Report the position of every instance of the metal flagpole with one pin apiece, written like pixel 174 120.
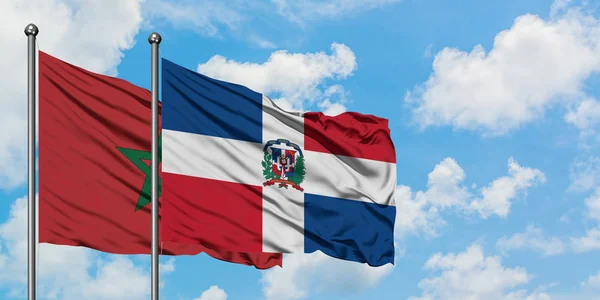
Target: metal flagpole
pixel 154 40
pixel 31 32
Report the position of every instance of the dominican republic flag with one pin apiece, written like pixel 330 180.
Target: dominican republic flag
pixel 241 174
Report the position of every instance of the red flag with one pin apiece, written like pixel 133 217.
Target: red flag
pixel 94 166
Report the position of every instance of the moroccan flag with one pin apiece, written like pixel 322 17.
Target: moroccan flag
pixel 94 166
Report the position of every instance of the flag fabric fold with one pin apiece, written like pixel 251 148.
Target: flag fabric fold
pixel 94 166
pixel 241 174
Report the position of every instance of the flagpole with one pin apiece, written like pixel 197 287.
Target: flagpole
pixel 31 31
pixel 154 40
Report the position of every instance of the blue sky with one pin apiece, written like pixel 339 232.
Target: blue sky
pixel 493 109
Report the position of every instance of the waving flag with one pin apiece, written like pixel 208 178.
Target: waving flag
pixel 241 174
pixel 94 166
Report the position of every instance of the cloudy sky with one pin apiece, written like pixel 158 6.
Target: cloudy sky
pixel 493 108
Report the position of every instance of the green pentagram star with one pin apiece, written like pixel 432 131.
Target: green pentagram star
pixel 137 157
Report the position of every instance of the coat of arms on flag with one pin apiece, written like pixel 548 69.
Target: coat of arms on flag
pixel 283 163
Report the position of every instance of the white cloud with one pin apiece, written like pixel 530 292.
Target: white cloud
pixel 301 11
pixel 414 213
pixel 331 109
pixel 201 16
pixel 428 51
pixel 167 267
pixel 307 273
pixel 419 211
pixel 525 295
pixel 213 293
pixel 496 197
pixel 209 17
pixel 585 175
pixel 589 242
pixel 559 6
pixel 68 272
pixel 531 66
pixel 335 98
pixel 69 30
pixel 215 18
pixel 593 282
pixel 586 116
pixel 532 239
pixel 262 43
pixel 487 278
pixel 296 78
pixel 592 204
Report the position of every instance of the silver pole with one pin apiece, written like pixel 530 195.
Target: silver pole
pixel 31 32
pixel 154 40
